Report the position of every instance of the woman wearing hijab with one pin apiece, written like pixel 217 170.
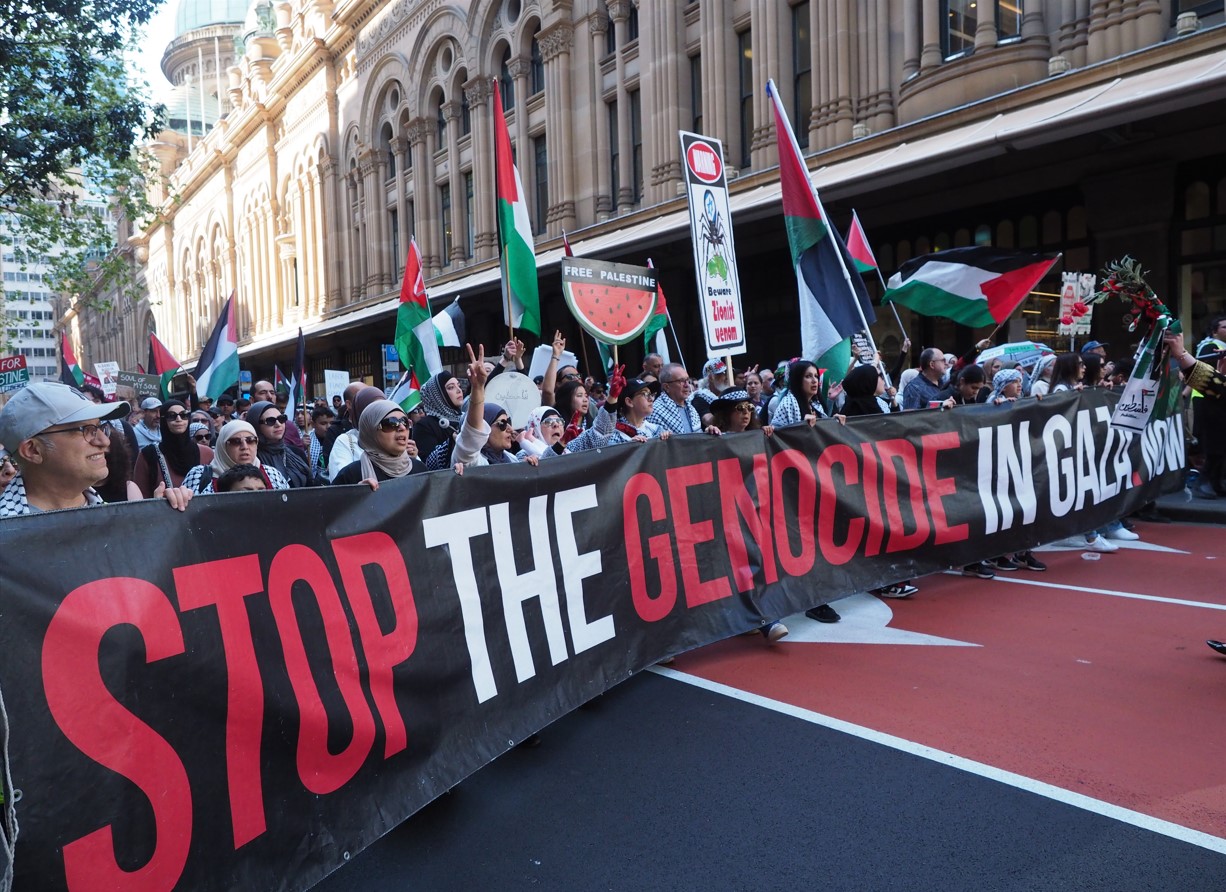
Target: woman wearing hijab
pixel 118 485
pixel 542 436
pixel 237 444
pixel 441 397
pixel 801 403
pixel 269 423
pixel 1040 378
pixel 169 461
pixel 384 438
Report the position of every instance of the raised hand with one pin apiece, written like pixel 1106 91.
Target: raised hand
pixel 559 345
pixel 476 367
pixel 617 381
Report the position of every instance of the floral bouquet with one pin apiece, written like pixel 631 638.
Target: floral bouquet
pixel 1125 279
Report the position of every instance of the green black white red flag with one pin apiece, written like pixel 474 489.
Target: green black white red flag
pixel 977 286
pixel 521 304
pixel 416 339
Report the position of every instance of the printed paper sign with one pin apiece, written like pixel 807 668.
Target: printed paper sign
pixel 1076 288
pixel 719 289
pixel 108 375
pixel 13 373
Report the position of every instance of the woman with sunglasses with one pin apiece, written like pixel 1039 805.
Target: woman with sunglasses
pixel 384 437
pixel 237 444
pixel 169 461
pixel 542 435
pixel 270 423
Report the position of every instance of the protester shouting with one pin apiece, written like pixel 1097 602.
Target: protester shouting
pixel 237 444
pixel 384 435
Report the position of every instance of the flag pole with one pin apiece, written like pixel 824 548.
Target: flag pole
pixel 676 340
pixel 884 289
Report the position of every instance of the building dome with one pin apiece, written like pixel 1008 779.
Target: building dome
pixel 258 21
pixel 193 14
pixel 183 110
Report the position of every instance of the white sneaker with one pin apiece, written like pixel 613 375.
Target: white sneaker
pixel 1099 544
pixel 1123 534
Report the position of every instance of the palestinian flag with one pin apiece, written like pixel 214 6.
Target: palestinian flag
pixel 516 253
pixel 416 341
pixel 858 247
pixel 162 363
pixel 449 327
pixel 298 390
pixel 282 384
pixel 976 287
pixel 406 393
pixel 657 323
pixel 217 368
pixel 70 370
pixel 833 303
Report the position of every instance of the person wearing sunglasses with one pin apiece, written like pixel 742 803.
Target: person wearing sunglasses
pixel 237 444
pixel 387 448
pixel 542 435
pixel 58 439
pixel 275 451
pixel 624 416
pixel 167 461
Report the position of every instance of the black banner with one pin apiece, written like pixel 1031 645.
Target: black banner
pixel 246 695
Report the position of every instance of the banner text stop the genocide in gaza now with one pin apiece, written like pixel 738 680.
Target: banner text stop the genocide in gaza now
pixel 311 653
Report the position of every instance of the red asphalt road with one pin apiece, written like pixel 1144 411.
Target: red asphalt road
pixel 1113 698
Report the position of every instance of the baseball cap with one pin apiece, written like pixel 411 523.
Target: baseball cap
pixel 714 367
pixel 1093 345
pixel 45 404
pixel 151 402
pixel 635 385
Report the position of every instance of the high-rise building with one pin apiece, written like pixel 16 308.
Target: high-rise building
pixel 1090 128
pixel 27 305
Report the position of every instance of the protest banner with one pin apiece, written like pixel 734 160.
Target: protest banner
pixel 258 691
pixel 719 286
pixel 141 385
pixel 335 382
pixel 516 393
pixel 108 375
pixel 13 373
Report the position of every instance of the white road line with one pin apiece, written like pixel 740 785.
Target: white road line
pixel 1098 591
pixel 1009 778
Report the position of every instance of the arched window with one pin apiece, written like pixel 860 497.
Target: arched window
pixel 466 122
pixel 385 146
pixel 440 121
pixel 537 79
pixel 505 83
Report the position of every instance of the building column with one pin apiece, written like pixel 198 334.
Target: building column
pixel 485 238
pixel 910 37
pixel 459 212
pixel 555 46
pixel 619 12
pixel 661 79
pixel 765 42
pixel 719 67
pixel 331 208
pixel 606 201
pixel 985 27
pixel 400 146
pixel 931 56
pixel 845 74
pixel 424 192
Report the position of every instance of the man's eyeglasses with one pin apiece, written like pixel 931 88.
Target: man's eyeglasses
pixel 274 420
pixel 387 425
pixel 242 441
pixel 502 423
pixel 176 416
pixel 88 431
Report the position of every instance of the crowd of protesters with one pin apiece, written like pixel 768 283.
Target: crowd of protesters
pixel 68 448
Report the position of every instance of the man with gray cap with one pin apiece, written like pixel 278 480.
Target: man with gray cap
pixel 149 431
pixel 59 441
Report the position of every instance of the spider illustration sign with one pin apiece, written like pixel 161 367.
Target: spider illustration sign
pixel 719 289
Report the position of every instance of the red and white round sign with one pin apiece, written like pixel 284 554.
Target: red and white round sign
pixel 704 162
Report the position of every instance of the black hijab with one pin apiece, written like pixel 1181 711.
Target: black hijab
pixel 860 385
pixel 181 452
pixel 278 453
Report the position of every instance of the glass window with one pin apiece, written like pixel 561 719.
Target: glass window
pixel 959 21
pixel 466 117
pixel 440 121
pixel 614 154
pixel 393 226
pixel 505 83
pixel 802 80
pixel 636 145
pixel 696 94
pixel 540 169
pixel 444 201
pixel 1008 19
pixel 1196 201
pixel 385 143
pixel 632 23
pixel 538 66
pixel 470 226
pixel 745 78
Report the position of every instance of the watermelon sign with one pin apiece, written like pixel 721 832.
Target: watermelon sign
pixel 612 301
